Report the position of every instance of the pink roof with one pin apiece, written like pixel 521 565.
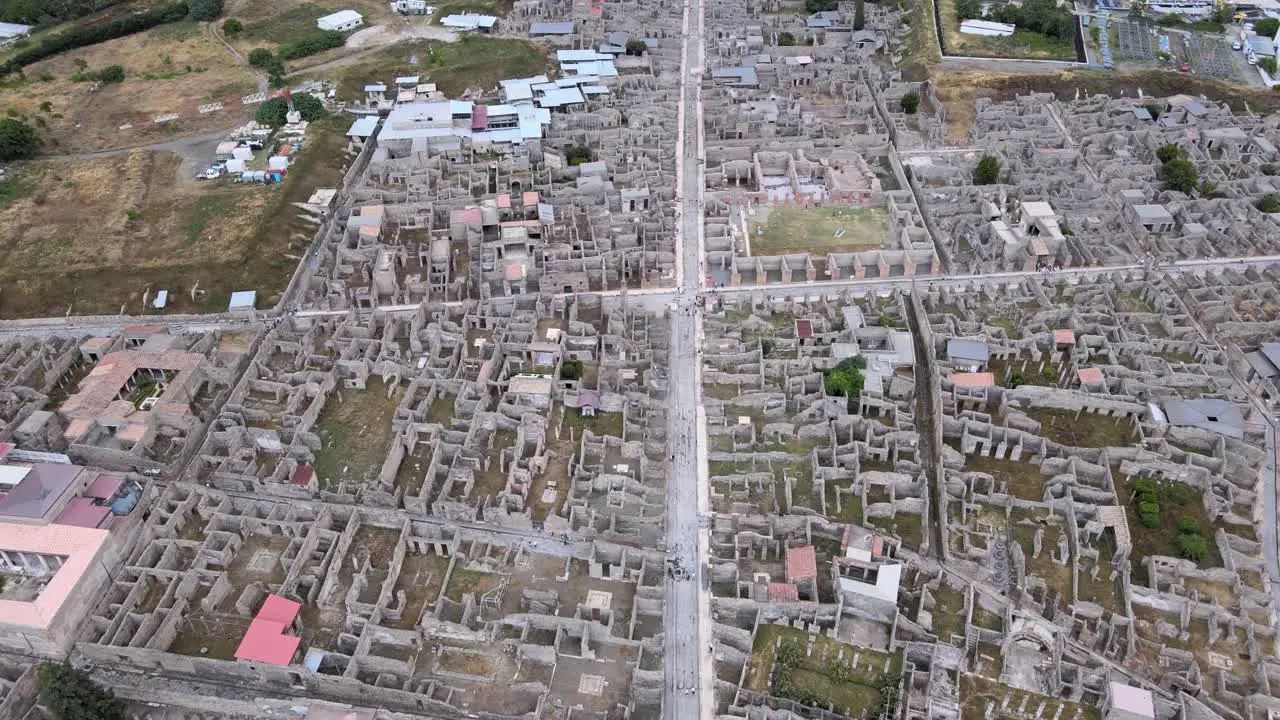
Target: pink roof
pixel 99 388
pixel 973 380
pixel 470 216
pixel 104 487
pixel 1090 375
pixel 783 592
pixel 1064 337
pixel 804 329
pixel 80 546
pixel 5 449
pixel 265 640
pixel 530 198
pixel 302 475
pixel 81 512
pixel 1134 700
pixel 504 200
pixel 479 117
pixel 802 562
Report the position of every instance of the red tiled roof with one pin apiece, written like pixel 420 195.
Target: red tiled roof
pixel 81 512
pixel 973 380
pixel 479 117
pixel 504 200
pixel 804 329
pixel 302 475
pixel 529 198
pixel 1064 337
pixel 265 640
pixel 1090 375
pixel 802 562
pixel 104 487
pixel 783 592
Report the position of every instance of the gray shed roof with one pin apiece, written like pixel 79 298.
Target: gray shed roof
pixel 551 28
pixel 1152 212
pixel 39 490
pixel 1217 416
pixel 959 348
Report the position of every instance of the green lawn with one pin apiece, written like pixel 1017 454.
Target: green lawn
pixel 853 697
pixel 473 61
pixel 356 431
pixel 1022 44
pixel 788 230
pixel 288 26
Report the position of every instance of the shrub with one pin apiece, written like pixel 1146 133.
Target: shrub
pixel 1180 175
pixel 1268 63
pixel 108 74
pixel 70 694
pixel 1188 526
pixel 1267 27
pixel 636 46
pixel 1169 152
pixel 1149 514
pixel 261 57
pixel 1192 547
pixel 18 140
pixel 1152 108
pixel 231 26
pixel 1268 203
pixel 910 102
pixel 313 43
pixel 1179 494
pixel 786 39
pixel 204 9
pixel 578 154
pixel 988 171
pixel 571 370
pixel 846 379
pixel 94 34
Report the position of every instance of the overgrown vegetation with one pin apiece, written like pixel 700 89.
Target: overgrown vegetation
pixel 48 12
pixel 205 9
pixel 274 112
pixel 578 154
pixel 988 170
pixel 70 694
pixel 94 34
pixel 1177 171
pixel 18 139
pixel 636 47
pixel 846 379
pixel 571 370
pixel 316 42
pixel 786 39
pixel 1268 203
pixel 1041 16
pixel 108 74
pixel 910 102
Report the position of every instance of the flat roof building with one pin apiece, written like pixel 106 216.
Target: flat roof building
pixel 341 21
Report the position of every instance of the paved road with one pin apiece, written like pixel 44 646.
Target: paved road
pixel 689 687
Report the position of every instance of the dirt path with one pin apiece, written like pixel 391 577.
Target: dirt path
pixel 373 39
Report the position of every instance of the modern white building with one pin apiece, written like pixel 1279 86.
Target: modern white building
pixel 10 32
pixel 341 21
pixel 986 27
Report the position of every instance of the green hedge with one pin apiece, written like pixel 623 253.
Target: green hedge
pixel 316 42
pixel 95 34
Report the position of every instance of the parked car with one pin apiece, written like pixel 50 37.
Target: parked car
pixel 1236 45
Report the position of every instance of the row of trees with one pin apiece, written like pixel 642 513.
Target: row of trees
pixel 94 34
pixel 47 12
pixel 313 43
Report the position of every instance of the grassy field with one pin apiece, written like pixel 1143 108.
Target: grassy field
pixel 355 431
pixel 1163 540
pixel 473 61
pixel 1022 44
pixel 977 692
pixel 854 697
pixel 921 42
pixel 786 230
pixel 94 234
pixel 171 68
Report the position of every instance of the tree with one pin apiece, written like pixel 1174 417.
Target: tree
pixel 1268 64
pixel 1138 8
pixel 910 102
pixel 232 26
pixel 859 15
pixel 1192 547
pixel 571 370
pixel 1152 108
pixel 988 171
pixel 272 112
pixel 204 9
pixel 1168 152
pixel 1267 27
pixel 816 6
pixel 1224 14
pixel 846 379
pixel 261 58
pixel 1180 174
pixel 71 695
pixel 636 46
pixel 18 140
pixel 786 39
pixel 968 9
pixel 308 106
